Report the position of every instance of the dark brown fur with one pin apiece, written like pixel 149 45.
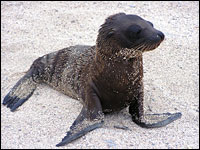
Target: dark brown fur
pixel 106 77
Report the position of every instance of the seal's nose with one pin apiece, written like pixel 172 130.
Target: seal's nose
pixel 161 35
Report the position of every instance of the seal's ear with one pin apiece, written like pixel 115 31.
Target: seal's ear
pixel 110 33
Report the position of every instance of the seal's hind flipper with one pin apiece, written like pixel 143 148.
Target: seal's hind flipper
pixel 157 120
pixel 21 92
pixel 13 102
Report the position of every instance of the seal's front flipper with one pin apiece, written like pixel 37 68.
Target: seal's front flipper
pixel 157 120
pixel 21 92
pixel 73 135
pixel 136 110
pixel 80 127
pixel 90 117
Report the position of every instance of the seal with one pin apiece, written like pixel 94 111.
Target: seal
pixel 105 78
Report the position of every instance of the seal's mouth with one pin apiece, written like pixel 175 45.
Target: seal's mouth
pixel 141 45
pixel 148 44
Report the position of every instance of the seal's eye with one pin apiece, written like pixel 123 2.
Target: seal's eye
pixel 133 31
pixel 150 23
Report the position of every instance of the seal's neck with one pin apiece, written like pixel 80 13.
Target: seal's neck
pixel 106 47
pixel 116 54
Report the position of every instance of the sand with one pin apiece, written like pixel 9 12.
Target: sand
pixel 171 74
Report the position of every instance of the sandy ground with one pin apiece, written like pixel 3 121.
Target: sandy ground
pixel 171 73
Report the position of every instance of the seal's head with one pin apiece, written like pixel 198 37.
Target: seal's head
pixel 128 31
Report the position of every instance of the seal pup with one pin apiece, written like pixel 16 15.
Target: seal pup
pixel 106 77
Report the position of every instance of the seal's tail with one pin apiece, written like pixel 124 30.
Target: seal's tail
pixel 21 92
